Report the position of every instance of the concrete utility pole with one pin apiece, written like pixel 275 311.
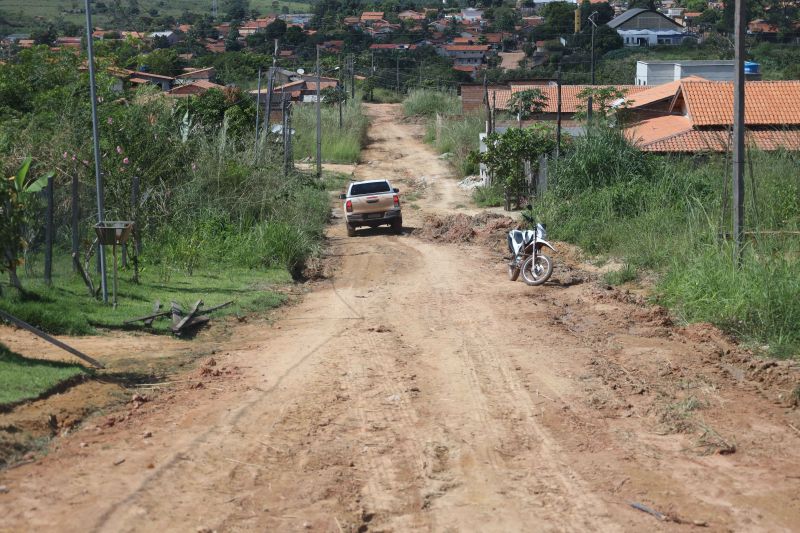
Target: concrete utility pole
pixel 98 172
pixel 397 74
pixel 738 131
pixel 258 108
pixel 590 103
pixel 270 87
pixel 558 113
pixel 319 122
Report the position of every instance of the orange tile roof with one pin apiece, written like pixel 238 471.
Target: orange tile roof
pixel 371 15
pixel 569 95
pixel 718 140
pixel 467 48
pixel 658 129
pixel 655 93
pixel 767 103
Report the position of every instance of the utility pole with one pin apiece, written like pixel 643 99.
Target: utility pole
pixel 98 172
pixel 738 132
pixel 397 74
pixel 372 66
pixel 590 103
pixel 558 113
pixel 270 87
pixel 488 106
pixel 342 96
pixel 319 122
pixel 258 107
pixel 286 133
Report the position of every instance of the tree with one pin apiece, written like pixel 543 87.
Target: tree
pixel 237 10
pixel 275 30
pixel 507 153
pixel 46 35
pixel 332 96
pixel 162 61
pixel 505 19
pixel 604 98
pixel 527 103
pixel 17 202
pixel 232 43
pixel 559 18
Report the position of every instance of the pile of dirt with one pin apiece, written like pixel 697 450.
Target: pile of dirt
pixel 485 228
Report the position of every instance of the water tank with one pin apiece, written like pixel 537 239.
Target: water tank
pixel 751 67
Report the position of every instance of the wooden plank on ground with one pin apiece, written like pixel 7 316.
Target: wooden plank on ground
pixel 156 306
pixel 177 327
pixel 193 322
pixel 177 313
pixel 215 307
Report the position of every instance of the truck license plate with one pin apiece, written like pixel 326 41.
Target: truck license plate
pixel 374 215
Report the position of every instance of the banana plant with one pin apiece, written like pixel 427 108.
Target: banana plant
pixel 17 211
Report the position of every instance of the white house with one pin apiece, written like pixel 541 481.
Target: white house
pixel 643 27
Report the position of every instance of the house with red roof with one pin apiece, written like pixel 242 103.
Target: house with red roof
pixel 195 88
pixel 699 117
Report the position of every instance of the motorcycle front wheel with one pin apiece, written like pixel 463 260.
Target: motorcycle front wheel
pixel 538 273
pixel 513 271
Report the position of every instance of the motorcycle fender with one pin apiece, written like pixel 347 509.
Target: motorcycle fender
pixel 545 243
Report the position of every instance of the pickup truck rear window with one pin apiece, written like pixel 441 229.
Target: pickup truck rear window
pixel 369 188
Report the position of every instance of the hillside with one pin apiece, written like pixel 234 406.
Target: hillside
pixel 21 16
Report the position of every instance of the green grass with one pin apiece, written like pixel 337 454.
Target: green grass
pixel 24 379
pixel 66 308
pixel 338 145
pixel 385 96
pixel 623 275
pixel 491 196
pixel 428 102
pixel 457 136
pixel 665 215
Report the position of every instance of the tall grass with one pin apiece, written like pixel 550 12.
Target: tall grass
pixel 457 136
pixel 428 102
pixel 339 145
pixel 666 215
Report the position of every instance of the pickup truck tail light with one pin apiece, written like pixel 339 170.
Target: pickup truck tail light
pixel 349 206
pixel 396 201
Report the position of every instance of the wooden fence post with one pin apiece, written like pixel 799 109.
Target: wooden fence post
pixel 75 219
pixel 137 245
pixel 48 233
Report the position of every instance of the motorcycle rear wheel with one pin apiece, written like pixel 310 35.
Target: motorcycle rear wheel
pixel 513 271
pixel 540 272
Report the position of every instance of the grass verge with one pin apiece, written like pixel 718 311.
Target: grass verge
pixel 66 308
pixel 427 103
pixel 666 215
pixel 25 379
pixel 339 145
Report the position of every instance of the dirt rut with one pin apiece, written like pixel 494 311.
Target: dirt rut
pixel 416 389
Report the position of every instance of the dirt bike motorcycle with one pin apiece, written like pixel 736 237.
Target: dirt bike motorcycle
pixel 527 257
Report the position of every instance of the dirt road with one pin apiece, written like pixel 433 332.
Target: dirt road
pixel 416 389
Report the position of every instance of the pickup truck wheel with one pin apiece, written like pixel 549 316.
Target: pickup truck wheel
pixel 397 225
pixel 351 230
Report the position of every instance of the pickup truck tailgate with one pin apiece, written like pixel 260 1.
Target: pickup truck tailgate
pixel 373 203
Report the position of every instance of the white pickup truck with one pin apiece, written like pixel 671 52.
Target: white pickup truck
pixel 372 203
